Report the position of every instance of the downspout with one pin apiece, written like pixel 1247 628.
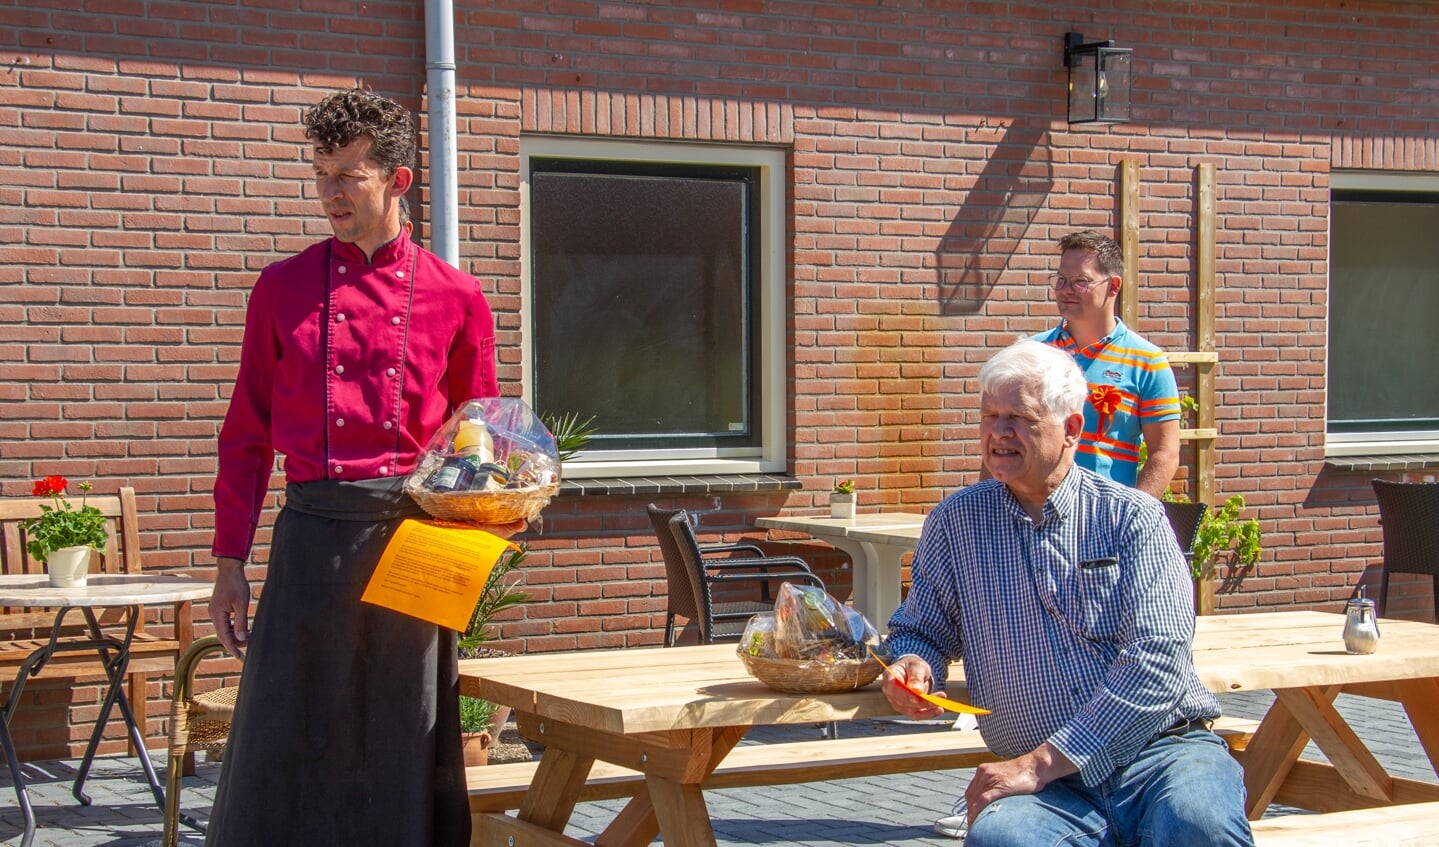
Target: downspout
pixel 444 207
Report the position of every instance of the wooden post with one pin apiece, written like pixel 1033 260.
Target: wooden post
pixel 1129 241
pixel 1204 338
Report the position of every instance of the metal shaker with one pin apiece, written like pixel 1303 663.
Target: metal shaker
pixel 1361 627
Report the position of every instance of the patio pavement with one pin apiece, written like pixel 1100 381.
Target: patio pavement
pixel 896 810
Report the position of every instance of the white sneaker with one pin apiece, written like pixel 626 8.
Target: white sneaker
pixel 956 824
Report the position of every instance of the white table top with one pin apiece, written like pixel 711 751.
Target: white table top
pixel 102 590
pixel 818 525
pixel 901 536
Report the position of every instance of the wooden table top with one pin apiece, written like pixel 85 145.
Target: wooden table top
pixel 654 689
pixel 108 589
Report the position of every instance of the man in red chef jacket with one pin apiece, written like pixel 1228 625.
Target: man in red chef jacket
pixel 355 351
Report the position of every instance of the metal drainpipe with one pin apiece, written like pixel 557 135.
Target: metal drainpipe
pixel 444 165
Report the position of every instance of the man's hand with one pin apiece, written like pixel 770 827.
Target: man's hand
pixel 906 673
pixel 230 605
pixel 507 530
pixel 1026 774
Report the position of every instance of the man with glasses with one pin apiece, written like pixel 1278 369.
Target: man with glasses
pixel 1132 392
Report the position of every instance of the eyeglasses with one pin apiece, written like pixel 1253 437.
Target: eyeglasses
pixel 1078 284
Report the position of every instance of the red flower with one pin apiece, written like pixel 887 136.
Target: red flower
pixel 50 486
pixel 1105 399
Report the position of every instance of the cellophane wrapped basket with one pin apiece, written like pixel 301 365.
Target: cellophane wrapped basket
pixel 811 644
pixel 493 462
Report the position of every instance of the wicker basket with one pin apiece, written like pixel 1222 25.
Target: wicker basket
pixel 795 676
pixel 487 508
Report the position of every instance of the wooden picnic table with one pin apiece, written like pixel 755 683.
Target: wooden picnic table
pixel 675 713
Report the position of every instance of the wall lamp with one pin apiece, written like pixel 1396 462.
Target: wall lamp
pixel 1098 80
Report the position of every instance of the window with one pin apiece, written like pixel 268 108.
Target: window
pixel 655 302
pixel 1383 307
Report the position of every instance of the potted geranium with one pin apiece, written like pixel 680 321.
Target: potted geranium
pixel 63 536
pixel 842 499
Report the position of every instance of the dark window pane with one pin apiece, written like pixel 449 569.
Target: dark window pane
pixel 642 306
pixel 1383 305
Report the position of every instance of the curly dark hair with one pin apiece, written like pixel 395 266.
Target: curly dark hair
pixel 1106 250
pixel 345 116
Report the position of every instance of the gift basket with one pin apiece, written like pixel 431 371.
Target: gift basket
pixel 493 462
pixel 811 644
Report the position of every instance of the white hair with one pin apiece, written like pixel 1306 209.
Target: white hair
pixel 1061 384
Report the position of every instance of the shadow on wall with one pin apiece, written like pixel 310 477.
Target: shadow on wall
pixel 994 218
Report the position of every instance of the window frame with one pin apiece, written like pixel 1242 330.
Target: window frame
pixel 1379 442
pixel 769 293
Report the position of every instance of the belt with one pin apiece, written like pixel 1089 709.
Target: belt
pixel 1186 725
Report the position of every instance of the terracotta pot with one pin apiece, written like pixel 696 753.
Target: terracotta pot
pixel 68 566
pixel 476 746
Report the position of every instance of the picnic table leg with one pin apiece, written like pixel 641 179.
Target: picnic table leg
pixel 555 789
pixel 672 803
pixel 1314 709
pixel 1271 754
pixel 1421 702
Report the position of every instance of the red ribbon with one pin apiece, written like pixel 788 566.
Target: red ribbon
pixel 1105 399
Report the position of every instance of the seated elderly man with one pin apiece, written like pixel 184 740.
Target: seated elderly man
pixel 1069 602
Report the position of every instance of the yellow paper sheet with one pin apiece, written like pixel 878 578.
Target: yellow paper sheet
pixel 942 702
pixel 434 572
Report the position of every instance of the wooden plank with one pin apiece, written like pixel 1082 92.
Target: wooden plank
pixel 1204 393
pixel 1129 241
pixel 505 831
pixel 495 788
pixel 1421 702
pixel 555 790
pixel 683 755
pixel 1192 357
pixel 1319 787
pixel 680 808
pixel 1198 434
pixel 635 825
pixel 1314 709
pixel 1413 824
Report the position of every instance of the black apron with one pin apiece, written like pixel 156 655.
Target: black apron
pixel 347 727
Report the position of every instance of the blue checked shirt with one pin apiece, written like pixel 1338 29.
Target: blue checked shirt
pixel 1075 630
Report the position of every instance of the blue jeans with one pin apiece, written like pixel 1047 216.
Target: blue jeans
pixel 1180 791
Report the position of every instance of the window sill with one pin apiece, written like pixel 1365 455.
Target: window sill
pixel 718 484
pixel 1397 462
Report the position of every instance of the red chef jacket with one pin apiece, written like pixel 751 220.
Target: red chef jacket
pixel 347 368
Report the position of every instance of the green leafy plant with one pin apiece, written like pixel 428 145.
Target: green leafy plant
pixel 844 486
pixel 571 434
pixel 499 593
pixel 62 525
pixel 1222 534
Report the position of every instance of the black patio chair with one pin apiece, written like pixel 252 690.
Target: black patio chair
pixel 696 573
pixel 1184 519
pixel 1409 516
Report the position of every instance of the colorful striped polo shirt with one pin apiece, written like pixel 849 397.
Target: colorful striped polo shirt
pixel 1130 384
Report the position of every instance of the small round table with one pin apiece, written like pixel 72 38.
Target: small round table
pixel 129 592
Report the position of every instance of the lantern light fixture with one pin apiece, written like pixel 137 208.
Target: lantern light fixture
pixel 1099 75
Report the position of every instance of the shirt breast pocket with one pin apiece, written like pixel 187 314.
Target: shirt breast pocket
pixel 1094 598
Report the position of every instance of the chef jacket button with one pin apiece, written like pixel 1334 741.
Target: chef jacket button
pixel 339 421
pixel 389 372
pixel 342 269
pixel 340 316
pixel 400 274
pixel 382 470
pixel 388 425
pixel 339 469
pixel 395 320
pixel 339 369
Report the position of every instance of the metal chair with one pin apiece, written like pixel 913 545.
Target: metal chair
pixel 1409 516
pixel 197 722
pixel 693 572
pixel 1184 519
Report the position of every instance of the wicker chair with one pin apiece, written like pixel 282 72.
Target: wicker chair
pixel 693 572
pixel 198 722
pixel 1184 519
pixel 1409 515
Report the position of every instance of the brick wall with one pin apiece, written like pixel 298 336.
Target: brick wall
pixel 151 164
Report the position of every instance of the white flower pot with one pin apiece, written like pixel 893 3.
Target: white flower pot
pixel 841 505
pixel 68 567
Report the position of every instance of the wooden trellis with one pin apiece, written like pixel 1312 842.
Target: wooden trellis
pixel 1204 357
